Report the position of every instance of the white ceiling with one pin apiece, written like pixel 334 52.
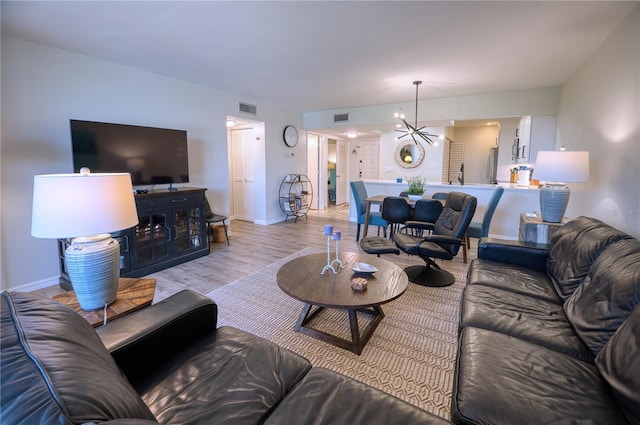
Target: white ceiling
pixel 309 56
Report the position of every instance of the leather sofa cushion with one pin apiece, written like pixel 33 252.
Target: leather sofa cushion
pixel 503 380
pixel 54 362
pixel 619 363
pixel 527 318
pixel 608 295
pixel 228 376
pixel 333 399
pixel 574 248
pixel 514 278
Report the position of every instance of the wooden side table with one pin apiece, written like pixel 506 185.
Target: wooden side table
pixel 133 294
pixel 533 229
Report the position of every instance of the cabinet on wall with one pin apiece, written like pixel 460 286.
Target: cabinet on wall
pixel 534 133
pixel 296 195
pixel 171 230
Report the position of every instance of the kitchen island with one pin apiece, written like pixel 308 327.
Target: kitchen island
pixel 506 220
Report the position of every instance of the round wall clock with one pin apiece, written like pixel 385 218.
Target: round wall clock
pixel 290 136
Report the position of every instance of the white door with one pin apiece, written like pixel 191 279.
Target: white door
pixel 313 167
pixel 368 160
pixel 242 167
pixel 342 179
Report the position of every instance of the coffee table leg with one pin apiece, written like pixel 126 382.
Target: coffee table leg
pixel 303 315
pixel 358 340
pixel 355 332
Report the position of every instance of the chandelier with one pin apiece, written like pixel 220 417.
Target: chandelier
pixel 413 130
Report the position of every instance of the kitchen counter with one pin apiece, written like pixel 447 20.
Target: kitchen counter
pixel 506 220
pixel 443 185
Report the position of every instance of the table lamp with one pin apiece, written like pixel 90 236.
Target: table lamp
pixel 86 207
pixel 556 168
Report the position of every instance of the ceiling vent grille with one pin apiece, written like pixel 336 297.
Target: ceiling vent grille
pixel 340 117
pixel 248 108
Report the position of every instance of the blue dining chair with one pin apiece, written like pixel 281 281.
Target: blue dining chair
pixel 375 217
pixel 480 229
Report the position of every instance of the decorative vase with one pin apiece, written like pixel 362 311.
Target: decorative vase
pixel 554 198
pixel 415 197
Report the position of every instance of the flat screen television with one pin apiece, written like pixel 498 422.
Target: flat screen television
pixel 151 155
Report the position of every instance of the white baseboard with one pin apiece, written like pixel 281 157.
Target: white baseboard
pixel 34 286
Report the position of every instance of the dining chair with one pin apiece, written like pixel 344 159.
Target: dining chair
pixel 425 214
pixel 395 211
pixel 439 195
pixel 480 229
pixel 375 218
pixel 211 218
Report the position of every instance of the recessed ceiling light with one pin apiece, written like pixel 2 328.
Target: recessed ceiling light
pixel 352 134
pixel 231 123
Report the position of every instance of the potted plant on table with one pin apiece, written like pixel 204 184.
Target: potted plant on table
pixel 416 187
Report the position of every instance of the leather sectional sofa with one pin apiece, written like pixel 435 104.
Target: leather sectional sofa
pixel 170 364
pixel 551 334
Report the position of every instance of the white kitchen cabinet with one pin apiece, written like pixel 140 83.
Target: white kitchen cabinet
pixel 534 133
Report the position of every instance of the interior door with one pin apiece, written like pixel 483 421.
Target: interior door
pixel 368 160
pixel 242 170
pixel 342 191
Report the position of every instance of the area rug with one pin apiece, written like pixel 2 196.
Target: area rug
pixel 410 355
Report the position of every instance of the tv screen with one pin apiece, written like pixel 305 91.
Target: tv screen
pixel 151 155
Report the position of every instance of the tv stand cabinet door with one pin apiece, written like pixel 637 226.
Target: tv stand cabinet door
pixel 177 218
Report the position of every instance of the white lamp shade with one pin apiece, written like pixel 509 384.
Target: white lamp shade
pixel 562 166
pixel 71 205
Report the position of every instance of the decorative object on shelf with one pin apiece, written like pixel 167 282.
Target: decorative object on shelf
pixel 413 130
pixel 295 195
pixel 86 207
pixel 416 187
pixel 556 168
pixel 290 136
pixel 328 232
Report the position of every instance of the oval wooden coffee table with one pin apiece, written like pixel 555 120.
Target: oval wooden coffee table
pixel 300 278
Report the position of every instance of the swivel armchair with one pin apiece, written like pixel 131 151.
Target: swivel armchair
pixel 375 218
pixel 443 243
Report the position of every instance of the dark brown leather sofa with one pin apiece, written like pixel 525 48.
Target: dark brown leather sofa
pixel 169 363
pixel 551 334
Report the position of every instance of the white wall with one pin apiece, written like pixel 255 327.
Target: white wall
pixel 42 88
pixel 493 105
pixel 431 167
pixel 599 111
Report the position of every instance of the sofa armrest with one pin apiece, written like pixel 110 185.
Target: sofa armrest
pixel 148 335
pixel 527 254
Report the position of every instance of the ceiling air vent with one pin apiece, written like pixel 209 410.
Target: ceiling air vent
pixel 248 108
pixel 340 117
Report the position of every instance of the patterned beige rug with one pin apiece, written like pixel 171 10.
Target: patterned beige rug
pixel 410 355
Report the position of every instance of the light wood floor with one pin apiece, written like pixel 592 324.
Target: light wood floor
pixel 255 246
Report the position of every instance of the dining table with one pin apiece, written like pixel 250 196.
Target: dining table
pixel 378 200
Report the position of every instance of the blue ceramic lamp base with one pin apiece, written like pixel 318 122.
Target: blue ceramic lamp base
pixel 93 264
pixel 554 198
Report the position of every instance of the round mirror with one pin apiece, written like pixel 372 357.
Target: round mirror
pixel 409 154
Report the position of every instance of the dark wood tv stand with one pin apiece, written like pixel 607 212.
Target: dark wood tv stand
pixel 171 230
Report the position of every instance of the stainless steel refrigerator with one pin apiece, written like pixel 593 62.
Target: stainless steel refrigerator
pixel 492 165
